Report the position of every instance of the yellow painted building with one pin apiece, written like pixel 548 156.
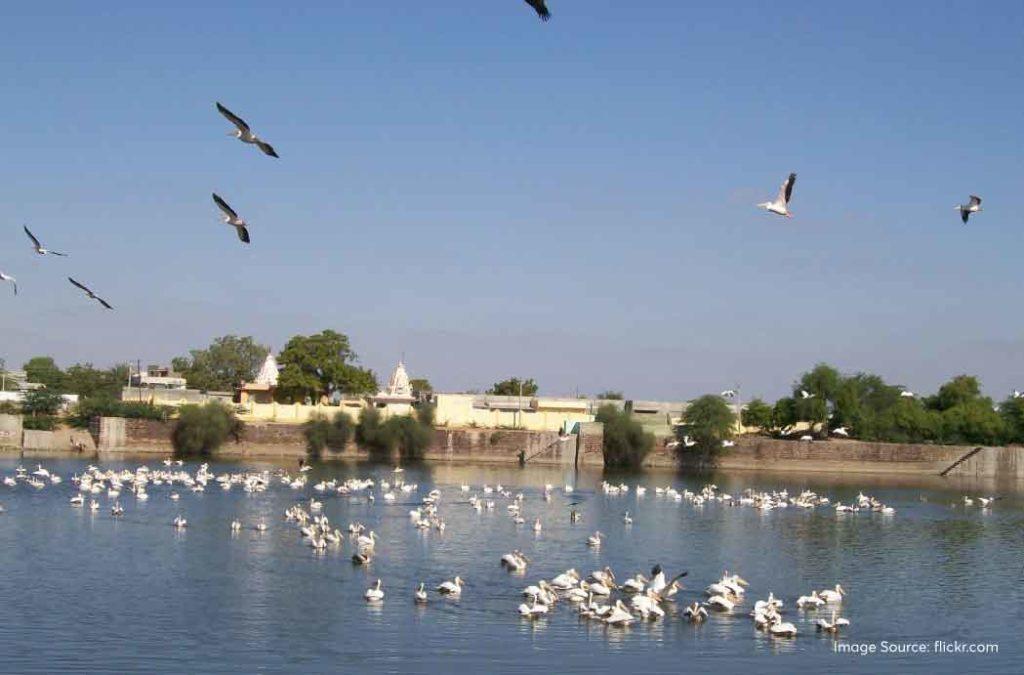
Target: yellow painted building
pixel 512 412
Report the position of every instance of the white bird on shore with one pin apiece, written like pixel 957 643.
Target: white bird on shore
pixel 972 206
pixel 39 247
pixel 243 133
pixel 232 218
pixel 374 593
pixel 841 431
pixel 781 204
pixel 14 282
pixel 728 444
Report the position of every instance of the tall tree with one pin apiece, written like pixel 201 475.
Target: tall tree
pixel 421 387
pixel 757 414
pixel 44 370
pixel 709 421
pixel 90 382
pixel 317 366
pixel 510 387
pixel 226 363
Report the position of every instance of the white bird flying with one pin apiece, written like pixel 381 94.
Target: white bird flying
pixel 907 394
pixel 972 206
pixel 91 295
pixel 39 247
pixel 781 204
pixel 244 133
pixel 804 394
pixel 541 8
pixel 14 282
pixel 729 393
pixel 841 431
pixel 232 218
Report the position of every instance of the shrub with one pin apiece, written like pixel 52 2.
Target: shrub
pixel 625 443
pixel 409 435
pixel 41 402
pixel 322 434
pixel 200 430
pixel 9 408
pixel 89 408
pixel 708 421
pixel 39 423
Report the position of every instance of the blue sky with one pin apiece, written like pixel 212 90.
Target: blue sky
pixel 572 201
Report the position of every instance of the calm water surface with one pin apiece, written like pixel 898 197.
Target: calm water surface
pixel 86 591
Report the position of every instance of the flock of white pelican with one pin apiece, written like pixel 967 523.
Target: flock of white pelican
pixel 597 596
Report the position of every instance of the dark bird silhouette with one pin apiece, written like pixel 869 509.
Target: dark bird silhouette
pixel 541 8
pixel 89 292
pixel 973 206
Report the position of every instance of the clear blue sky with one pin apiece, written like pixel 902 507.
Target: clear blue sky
pixel 572 201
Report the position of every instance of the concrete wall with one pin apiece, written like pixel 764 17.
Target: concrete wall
pixel 460 411
pixel 10 431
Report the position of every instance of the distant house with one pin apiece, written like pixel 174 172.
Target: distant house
pixel 261 390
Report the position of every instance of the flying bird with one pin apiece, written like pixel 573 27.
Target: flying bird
pixel 244 133
pixel 541 8
pixel 973 206
pixel 39 247
pixel 14 282
pixel 91 295
pixel 804 394
pixel 729 393
pixel 232 218
pixel 781 203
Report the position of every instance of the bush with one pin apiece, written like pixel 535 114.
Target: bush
pixel 708 421
pixel 200 430
pixel 39 423
pixel 625 443
pixel 89 408
pixel 9 408
pixel 322 434
pixel 409 435
pixel 41 402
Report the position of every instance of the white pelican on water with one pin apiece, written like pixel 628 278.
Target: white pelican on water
pixel 420 596
pixel 619 616
pixel 39 247
pixel 243 133
pixel 534 610
pixel 832 626
pixel 812 601
pixel 721 603
pixel 782 629
pixel 781 204
pixel 232 218
pixel 374 593
pixel 695 613
pixel 594 541
pixel 451 588
pixel 832 594
pixel 14 282
pixel 972 206
pixel 180 523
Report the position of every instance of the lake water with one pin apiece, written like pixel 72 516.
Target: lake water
pixel 83 590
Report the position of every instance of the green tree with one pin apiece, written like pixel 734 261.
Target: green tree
pixel 408 435
pixel 421 387
pixel 226 363
pixel 973 421
pixel 708 421
pixel 821 384
pixel 41 402
pixel 510 387
pixel 610 395
pixel 318 365
pixel 90 382
pixel 323 434
pixel 784 414
pixel 958 391
pixel 44 370
pixel 625 442
pixel 758 414
pixel 1012 412
pixel 200 430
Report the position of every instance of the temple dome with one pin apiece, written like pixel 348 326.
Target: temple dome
pixel 268 373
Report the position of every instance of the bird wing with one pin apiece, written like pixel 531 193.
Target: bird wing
pixel 233 118
pixel 267 148
pixel 540 8
pixel 964 215
pixel 104 302
pixel 975 200
pixel 84 288
pixel 786 191
pixel 224 206
pixel 243 233
pixel 32 237
pixel 62 255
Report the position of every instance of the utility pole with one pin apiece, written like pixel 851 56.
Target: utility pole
pixel 519 415
pixel 3 375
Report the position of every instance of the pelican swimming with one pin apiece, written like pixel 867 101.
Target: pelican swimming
pixel 972 206
pixel 244 133
pixel 619 616
pixel 39 247
pixel 232 218
pixel 374 593
pixel 14 282
pixel 420 596
pixel 627 519
pixel 534 610
pixel 833 625
pixel 451 588
pixel 367 542
pixel 720 603
pixel 695 613
pixel 180 522
pixel 781 204
pixel 779 628
pixel 594 541
pixel 88 292
pixel 236 525
pixel 812 601
pixel 832 594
